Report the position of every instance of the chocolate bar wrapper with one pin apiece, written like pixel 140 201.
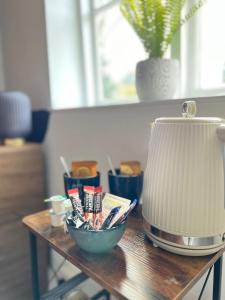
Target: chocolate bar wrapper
pixel 97 211
pixel 75 219
pixel 75 200
pixel 86 226
pixel 70 221
pixel 89 192
pixel 77 215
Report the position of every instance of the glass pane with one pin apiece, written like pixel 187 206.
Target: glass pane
pixel 119 49
pixel 212 45
pixel 64 56
pixel 100 3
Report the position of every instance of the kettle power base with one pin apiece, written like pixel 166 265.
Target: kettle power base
pixel 183 251
pixel 183 245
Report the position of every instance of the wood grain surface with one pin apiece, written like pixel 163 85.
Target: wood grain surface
pixel 134 269
pixel 21 193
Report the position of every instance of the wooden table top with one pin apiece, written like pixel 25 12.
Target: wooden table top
pixel 134 269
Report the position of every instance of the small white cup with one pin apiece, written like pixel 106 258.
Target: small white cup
pixel 57 204
pixel 58 207
pixel 57 220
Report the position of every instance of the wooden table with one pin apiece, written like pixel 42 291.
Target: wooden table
pixel 135 269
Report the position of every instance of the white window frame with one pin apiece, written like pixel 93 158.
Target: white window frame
pixel 91 58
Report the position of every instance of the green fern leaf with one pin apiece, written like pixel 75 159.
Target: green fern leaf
pixel 157 21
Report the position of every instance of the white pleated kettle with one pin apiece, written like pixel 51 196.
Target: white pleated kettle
pixel 183 199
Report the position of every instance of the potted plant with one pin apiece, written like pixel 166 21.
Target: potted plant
pixel 156 23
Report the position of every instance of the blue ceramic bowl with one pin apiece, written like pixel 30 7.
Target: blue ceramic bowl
pixel 97 241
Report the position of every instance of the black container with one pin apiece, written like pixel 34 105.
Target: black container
pixel 72 182
pixel 127 186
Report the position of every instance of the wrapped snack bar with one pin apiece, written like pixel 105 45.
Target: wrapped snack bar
pixel 97 211
pixel 75 200
pixel 89 192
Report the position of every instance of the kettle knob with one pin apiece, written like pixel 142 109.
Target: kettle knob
pixel 189 109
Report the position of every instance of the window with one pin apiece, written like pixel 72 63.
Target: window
pixel 90 62
pixel 108 39
pixel 65 54
pixel 93 52
pixel 212 62
pixel 115 38
pixel 203 51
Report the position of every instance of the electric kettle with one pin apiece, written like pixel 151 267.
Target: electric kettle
pixel 183 198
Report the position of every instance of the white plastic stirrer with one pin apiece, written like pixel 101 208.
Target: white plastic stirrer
pixel 65 166
pixel 111 165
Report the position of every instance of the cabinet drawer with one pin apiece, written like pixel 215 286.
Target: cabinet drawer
pixel 20 160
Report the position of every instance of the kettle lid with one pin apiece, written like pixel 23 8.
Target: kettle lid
pixel 189 110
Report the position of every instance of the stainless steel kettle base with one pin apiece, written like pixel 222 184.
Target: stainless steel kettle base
pixel 183 251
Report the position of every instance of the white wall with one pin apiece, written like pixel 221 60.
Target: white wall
pixel 24 49
pixel 121 131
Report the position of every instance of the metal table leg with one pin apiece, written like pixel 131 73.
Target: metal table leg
pixel 217 279
pixel 59 291
pixel 34 266
pixel 104 293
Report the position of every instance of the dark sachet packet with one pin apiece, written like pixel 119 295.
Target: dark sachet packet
pixel 125 215
pixel 110 217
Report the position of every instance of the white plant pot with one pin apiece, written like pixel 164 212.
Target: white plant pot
pixel 157 79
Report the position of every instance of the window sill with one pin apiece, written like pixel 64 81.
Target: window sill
pixel 215 99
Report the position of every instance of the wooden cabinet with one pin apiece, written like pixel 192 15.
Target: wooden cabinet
pixel 21 193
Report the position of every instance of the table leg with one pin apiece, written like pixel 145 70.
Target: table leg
pixel 217 279
pixel 104 293
pixel 107 295
pixel 34 266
